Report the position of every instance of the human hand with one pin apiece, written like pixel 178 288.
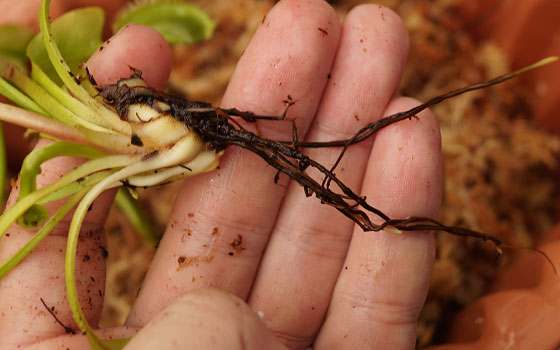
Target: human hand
pixel 312 276
pixel 24 13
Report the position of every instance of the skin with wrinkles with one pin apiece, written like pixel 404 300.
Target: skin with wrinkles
pixel 301 264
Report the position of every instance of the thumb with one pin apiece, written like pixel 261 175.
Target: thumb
pixel 40 276
pixel 205 319
pixel 133 47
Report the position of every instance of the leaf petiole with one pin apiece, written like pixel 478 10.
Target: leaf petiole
pixel 31 166
pixel 87 117
pixel 19 98
pixel 109 162
pixel 110 118
pixel 9 264
pixel 136 216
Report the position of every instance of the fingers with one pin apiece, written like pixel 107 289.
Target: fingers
pixel 41 275
pixel 23 317
pixel 385 277
pixel 25 12
pixel 80 341
pixel 306 252
pixel 205 319
pixel 221 221
pixel 133 47
pixel 202 319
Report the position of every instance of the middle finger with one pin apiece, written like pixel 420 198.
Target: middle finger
pixel 221 221
pixel 304 257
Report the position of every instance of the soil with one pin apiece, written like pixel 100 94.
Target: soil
pixel 500 168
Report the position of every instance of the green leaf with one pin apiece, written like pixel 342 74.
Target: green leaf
pixel 178 22
pixel 68 110
pixel 107 118
pixel 95 165
pixel 37 214
pixel 78 34
pixel 18 97
pixel 13 41
pixel 136 216
pixel 8 264
pixel 75 187
pixel 3 164
pixel 31 166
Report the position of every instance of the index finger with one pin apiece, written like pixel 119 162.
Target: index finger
pixel 235 206
pixel 41 275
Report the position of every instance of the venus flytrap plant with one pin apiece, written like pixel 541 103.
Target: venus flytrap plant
pixel 138 137
pixel 13 43
pixel 104 117
pixel 9 264
pixel 136 217
pixel 78 34
pixel 3 163
pixel 36 215
pixel 150 153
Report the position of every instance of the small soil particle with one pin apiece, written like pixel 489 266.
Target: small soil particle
pixel 236 243
pixel 103 251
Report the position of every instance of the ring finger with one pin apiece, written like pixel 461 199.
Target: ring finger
pixel 235 206
pixel 304 257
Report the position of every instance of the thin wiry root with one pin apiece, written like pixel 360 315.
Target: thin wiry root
pixel 219 130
